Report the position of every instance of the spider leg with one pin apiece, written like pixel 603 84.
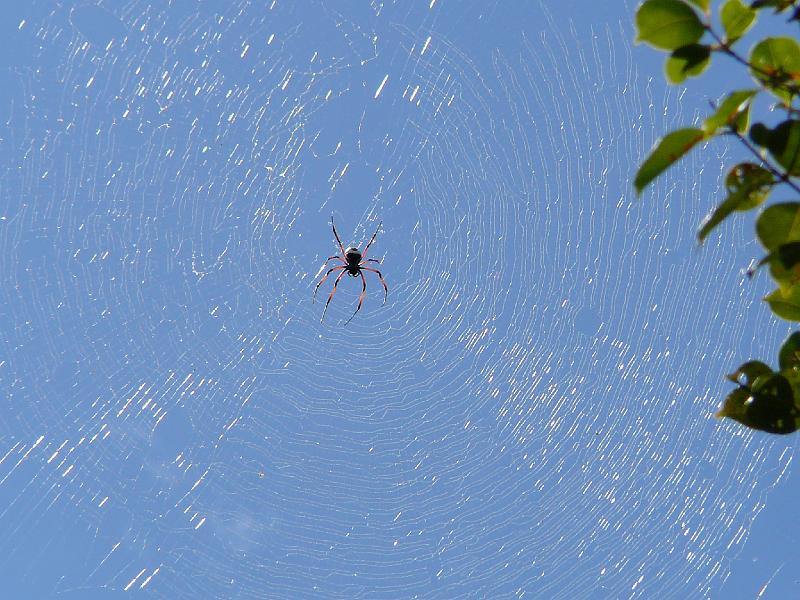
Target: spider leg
pixel 337 236
pixel 333 291
pixel 375 260
pixel 385 287
pixel 326 276
pixel 364 255
pixel 329 259
pixel 361 297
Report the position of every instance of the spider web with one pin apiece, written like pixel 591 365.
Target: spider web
pixel 529 414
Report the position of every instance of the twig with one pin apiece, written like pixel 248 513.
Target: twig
pixel 781 177
pixel 727 50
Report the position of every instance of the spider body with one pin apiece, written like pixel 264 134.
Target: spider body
pixel 353 257
pixel 353 262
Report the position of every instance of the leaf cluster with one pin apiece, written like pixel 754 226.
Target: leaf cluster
pixel 765 399
pixel 683 29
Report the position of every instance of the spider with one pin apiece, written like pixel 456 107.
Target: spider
pixel 353 263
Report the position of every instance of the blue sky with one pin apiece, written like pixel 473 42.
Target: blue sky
pixel 530 414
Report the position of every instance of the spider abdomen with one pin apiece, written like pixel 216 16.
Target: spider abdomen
pixel 353 256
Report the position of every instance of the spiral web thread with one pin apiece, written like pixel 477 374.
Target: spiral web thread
pixel 528 415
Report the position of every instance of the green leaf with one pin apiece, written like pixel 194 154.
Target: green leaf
pixel 789 356
pixel 785 303
pixel 778 227
pixel 783 264
pixel 783 144
pixel 733 407
pixel 759 133
pixel 729 111
pixel 772 408
pixel 748 186
pixel 701 4
pixel 788 254
pixel 687 61
pixel 778 224
pixel 750 181
pixel 672 147
pixel 742 121
pixel 736 19
pixel 793 376
pixel 751 370
pixel 668 24
pixel 775 63
pixel 768 406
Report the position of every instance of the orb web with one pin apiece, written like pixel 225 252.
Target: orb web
pixel 529 414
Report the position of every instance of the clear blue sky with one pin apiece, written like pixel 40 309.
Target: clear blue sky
pixel 529 414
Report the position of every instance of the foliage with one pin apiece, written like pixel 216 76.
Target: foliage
pixel 763 399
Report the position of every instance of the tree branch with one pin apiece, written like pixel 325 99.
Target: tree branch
pixel 726 49
pixel 780 177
